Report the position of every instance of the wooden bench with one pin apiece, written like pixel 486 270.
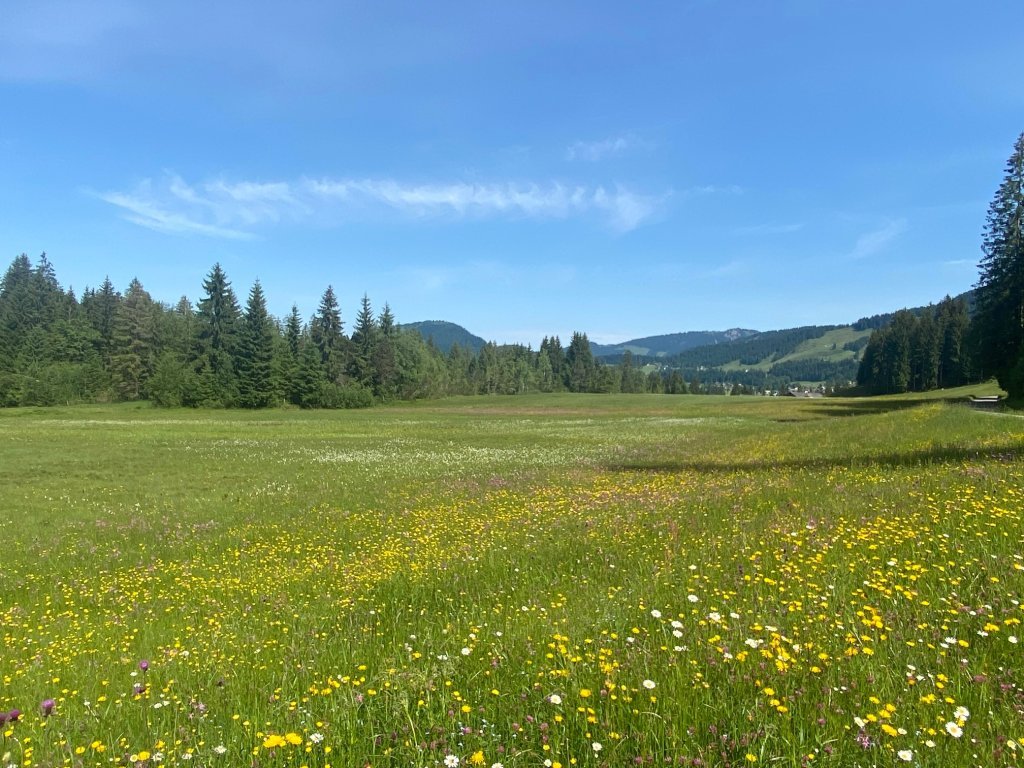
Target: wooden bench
pixel 988 403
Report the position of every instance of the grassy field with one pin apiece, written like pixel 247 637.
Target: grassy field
pixel 562 580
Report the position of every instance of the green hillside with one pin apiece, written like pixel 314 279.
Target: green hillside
pixel 444 334
pixel 668 344
pixel 833 346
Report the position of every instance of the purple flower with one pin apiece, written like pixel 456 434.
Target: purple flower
pixel 47 707
pixel 14 715
pixel 144 665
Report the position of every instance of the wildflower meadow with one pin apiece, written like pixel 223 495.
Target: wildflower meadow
pixel 560 580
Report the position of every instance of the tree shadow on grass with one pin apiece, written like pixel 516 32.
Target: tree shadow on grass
pixel 943 454
pixel 874 405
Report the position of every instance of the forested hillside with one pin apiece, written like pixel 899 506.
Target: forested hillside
pixel 444 335
pixel 668 344
pixel 108 345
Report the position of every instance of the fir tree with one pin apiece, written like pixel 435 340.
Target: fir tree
pixel 385 367
pixel 291 355
pixel 579 364
pixel 999 311
pixel 326 332
pixel 256 353
pixel 217 320
pixel 954 357
pixel 134 352
pixel 364 341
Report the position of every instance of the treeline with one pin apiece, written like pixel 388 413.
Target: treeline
pixel 56 348
pixel 920 350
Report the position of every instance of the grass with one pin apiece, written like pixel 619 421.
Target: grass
pixel 563 580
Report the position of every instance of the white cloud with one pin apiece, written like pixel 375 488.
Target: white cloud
pixel 233 209
pixel 149 214
pixel 593 151
pixel 876 240
pixel 626 210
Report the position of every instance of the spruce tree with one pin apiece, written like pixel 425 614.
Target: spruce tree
pixel 17 310
pixel 256 353
pixel 364 342
pixel 954 358
pixel 999 311
pixel 326 332
pixel 385 370
pixel 99 308
pixel 579 364
pixel 217 320
pixel 133 357
pixel 293 340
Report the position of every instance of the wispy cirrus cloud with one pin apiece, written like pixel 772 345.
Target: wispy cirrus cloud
pixel 594 151
pixel 876 240
pixel 153 215
pixel 602 149
pixel 220 208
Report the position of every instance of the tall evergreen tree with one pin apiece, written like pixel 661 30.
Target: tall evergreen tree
pixel 999 309
pixel 459 364
pixel 326 332
pixel 552 347
pixel 256 352
pixel 18 311
pixel 219 312
pixel 954 356
pixel 217 320
pixel 924 353
pixel 291 356
pixel 384 361
pixel 364 341
pixel 134 351
pixel 579 364
pixel 100 307
pixel 631 378
pixel 311 378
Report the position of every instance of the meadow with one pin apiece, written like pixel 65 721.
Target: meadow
pixel 559 580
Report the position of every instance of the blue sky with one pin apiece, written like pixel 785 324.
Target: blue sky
pixel 520 168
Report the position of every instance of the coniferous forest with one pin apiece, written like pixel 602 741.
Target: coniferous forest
pixel 56 348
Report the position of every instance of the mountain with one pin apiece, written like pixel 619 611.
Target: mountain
pixel 670 343
pixel 762 359
pixel 444 334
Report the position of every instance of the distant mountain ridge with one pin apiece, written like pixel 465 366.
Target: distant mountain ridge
pixel 814 353
pixel 666 345
pixel 443 335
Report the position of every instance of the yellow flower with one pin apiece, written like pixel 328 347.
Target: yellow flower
pixel 143 755
pixel 293 738
pixel 584 693
pixel 477 757
pixel 273 740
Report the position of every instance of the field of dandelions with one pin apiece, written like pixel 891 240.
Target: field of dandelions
pixel 510 582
